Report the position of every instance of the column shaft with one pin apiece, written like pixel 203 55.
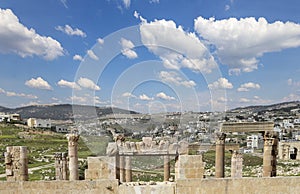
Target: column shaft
pixel 166 168
pixel 220 156
pixel 128 172
pixel 73 156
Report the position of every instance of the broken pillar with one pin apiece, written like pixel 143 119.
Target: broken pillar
pixel 166 168
pixel 236 165
pixel 73 156
pixel 270 153
pixel 128 170
pixel 16 162
pixel 220 155
pixel 61 166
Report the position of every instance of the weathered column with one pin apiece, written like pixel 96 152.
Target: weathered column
pixel 61 169
pixel 73 156
pixel 128 172
pixel 220 155
pixel 122 168
pixel 166 168
pixel 236 165
pixel 270 152
pixel 16 162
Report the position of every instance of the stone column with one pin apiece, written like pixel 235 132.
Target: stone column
pixel 220 155
pixel 16 162
pixel 73 156
pixel 236 165
pixel 166 168
pixel 122 169
pixel 61 169
pixel 128 172
pixel 270 152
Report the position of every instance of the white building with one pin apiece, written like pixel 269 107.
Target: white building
pixel 9 117
pixel 255 142
pixel 39 123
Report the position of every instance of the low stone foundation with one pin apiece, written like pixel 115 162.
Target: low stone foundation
pixel 274 185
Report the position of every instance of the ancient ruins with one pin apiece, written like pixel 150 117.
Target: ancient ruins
pixel 113 173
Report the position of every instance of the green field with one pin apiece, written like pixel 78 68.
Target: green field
pixel 43 144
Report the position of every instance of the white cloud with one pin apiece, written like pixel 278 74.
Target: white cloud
pixel 175 47
pixel 127 47
pixel 221 83
pixel 87 83
pixel 164 96
pixel 244 100
pixel 92 55
pixel 64 83
pixel 100 41
pixel 38 83
pixel 174 78
pixel 16 38
pixel 8 93
pixel 247 86
pixel 291 82
pixel 227 7
pixel 291 97
pixel 145 97
pixel 77 58
pixel 70 31
pixel 154 1
pixel 127 3
pixel 239 43
pixel 128 94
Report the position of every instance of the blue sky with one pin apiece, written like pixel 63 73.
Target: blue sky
pixel 150 55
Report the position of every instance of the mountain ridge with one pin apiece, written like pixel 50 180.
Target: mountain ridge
pixel 64 111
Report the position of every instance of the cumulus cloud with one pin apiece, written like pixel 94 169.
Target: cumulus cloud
pixel 240 43
pixel 87 83
pixel 129 95
pixel 70 31
pixel 145 97
pixel 92 55
pixel 221 83
pixel 175 47
pixel 77 58
pixel 164 96
pixel 247 86
pixel 9 93
pixel 100 41
pixel 16 38
pixel 127 49
pixel 64 83
pixel 38 83
pixel 174 78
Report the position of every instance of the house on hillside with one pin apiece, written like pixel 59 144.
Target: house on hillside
pixel 39 123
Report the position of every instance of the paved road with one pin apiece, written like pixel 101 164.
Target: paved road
pixel 33 169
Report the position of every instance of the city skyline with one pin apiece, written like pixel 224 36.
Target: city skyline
pixel 150 56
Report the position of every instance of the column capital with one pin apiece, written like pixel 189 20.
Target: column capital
pixel 220 138
pixel 72 138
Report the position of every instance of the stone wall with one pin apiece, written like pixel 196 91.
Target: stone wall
pixel 274 185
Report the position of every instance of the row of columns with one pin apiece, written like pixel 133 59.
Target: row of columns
pixel 269 157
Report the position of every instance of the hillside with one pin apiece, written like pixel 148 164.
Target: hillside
pixel 284 107
pixel 64 111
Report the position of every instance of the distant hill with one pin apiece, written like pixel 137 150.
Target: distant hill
pixel 284 107
pixel 64 111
